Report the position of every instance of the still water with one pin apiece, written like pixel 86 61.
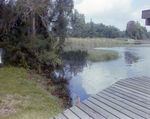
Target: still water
pixel 95 76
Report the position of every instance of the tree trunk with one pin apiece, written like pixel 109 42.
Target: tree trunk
pixel 33 24
pixel 11 3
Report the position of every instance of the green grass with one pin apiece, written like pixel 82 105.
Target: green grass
pixel 23 95
pixel 97 55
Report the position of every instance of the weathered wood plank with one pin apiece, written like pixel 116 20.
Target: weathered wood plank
pixel 127 102
pixel 69 114
pixel 134 87
pixel 80 113
pixel 143 84
pixel 135 111
pixel 127 98
pixel 60 116
pixel 99 110
pixel 142 80
pixel 118 107
pixel 142 100
pixel 110 108
pixel 137 84
pixel 132 90
pixel 89 111
pixel 145 77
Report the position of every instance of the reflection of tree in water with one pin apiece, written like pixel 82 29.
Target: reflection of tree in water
pixel 73 63
pixel 131 58
pixel 74 66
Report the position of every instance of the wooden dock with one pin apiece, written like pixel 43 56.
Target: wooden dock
pixel 126 99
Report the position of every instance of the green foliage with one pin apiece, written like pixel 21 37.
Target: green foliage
pixel 26 35
pixel 78 25
pixel 136 31
pixel 80 29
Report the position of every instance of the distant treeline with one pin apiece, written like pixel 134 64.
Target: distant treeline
pixel 79 28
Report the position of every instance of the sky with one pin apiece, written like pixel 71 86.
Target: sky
pixel 113 12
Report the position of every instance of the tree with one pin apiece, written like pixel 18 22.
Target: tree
pixel 34 44
pixel 135 30
pixel 62 11
pixel 129 28
pixel 77 23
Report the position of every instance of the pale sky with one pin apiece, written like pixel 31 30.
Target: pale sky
pixel 113 12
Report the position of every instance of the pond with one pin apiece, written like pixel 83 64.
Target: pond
pixel 96 76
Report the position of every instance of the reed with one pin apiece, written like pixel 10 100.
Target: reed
pixel 78 43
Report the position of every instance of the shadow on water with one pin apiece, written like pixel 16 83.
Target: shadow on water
pixel 73 63
pixel 131 57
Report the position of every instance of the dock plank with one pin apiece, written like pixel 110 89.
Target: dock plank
pixel 142 84
pixel 70 114
pixel 80 113
pixel 135 97
pixel 126 99
pixel 135 111
pixel 144 78
pixel 131 92
pixel 134 87
pixel 120 109
pixel 135 84
pixel 89 111
pixel 141 79
pixel 127 102
pixel 100 110
pixel 60 116
pixel 109 108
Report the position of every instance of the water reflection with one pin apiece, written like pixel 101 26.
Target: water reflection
pixel 99 75
pixel 72 66
pixel 131 57
pixel 88 78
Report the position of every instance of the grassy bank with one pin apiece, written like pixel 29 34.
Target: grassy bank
pixel 24 95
